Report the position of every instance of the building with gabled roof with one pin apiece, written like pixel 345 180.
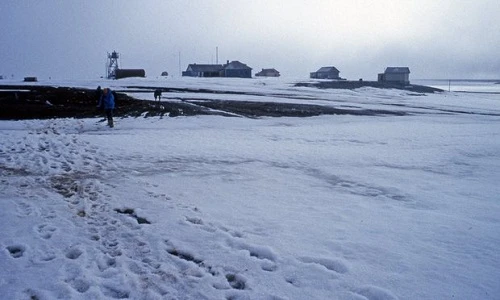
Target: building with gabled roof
pixel 399 75
pixel 326 73
pixel 268 73
pixel 230 69
pixel 202 70
pixel 236 69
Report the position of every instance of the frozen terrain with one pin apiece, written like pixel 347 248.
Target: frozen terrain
pixel 211 207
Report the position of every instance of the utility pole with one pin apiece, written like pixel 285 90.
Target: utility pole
pixel 180 64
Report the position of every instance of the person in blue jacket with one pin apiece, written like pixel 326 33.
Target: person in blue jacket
pixel 107 101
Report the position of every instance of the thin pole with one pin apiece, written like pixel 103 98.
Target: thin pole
pixel 217 55
pixel 449 85
pixel 180 64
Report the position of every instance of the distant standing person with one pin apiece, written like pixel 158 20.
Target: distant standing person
pixel 98 93
pixel 158 94
pixel 107 100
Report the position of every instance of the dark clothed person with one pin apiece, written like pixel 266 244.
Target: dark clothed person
pixel 107 101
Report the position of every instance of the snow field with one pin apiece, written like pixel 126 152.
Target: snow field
pixel 331 207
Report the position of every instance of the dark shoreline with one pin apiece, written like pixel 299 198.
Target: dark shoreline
pixel 351 85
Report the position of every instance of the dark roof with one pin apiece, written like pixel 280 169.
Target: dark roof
pixel 204 68
pixel 267 72
pixel 397 70
pixel 236 65
pixel 327 70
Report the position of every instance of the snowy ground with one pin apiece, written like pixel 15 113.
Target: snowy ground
pixel 331 207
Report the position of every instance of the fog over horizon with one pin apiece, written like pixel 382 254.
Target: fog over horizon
pixel 70 39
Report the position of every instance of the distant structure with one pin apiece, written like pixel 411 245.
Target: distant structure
pixel 1 77
pixel 398 75
pixel 196 70
pixel 112 64
pixel 114 71
pixel 30 79
pixel 326 73
pixel 164 73
pixel 230 69
pixel 125 73
pixel 236 69
pixel 268 73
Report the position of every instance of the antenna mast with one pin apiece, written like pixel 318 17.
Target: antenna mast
pixel 112 64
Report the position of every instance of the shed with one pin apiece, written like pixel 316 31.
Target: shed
pixel 326 73
pixel 30 79
pixel 236 69
pixel 202 70
pixel 399 75
pixel 268 73
pixel 125 73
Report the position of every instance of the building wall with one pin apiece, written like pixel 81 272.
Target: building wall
pixel 399 77
pixel 124 73
pixel 268 74
pixel 325 75
pixel 240 73
pixel 210 74
pixel 200 74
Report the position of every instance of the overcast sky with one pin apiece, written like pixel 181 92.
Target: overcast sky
pixel 70 39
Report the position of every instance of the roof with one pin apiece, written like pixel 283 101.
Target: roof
pixel 236 65
pixel 397 70
pixel 204 68
pixel 266 72
pixel 269 71
pixel 327 70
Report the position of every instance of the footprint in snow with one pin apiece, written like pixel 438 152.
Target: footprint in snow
pixel 44 253
pixel 80 285
pixel 45 231
pixel 73 253
pixel 16 251
pixel 115 292
pixel 236 281
pixel 24 209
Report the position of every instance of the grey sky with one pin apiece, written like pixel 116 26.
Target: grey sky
pixel 70 38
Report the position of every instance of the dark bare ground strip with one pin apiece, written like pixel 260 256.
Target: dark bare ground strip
pixel 45 102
